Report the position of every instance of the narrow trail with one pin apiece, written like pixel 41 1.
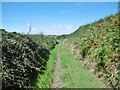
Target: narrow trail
pixel 57 83
pixel 70 73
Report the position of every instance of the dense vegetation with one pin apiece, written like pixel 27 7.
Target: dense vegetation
pixel 45 41
pixel 99 43
pixel 23 58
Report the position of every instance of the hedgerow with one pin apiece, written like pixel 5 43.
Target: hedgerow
pixel 23 59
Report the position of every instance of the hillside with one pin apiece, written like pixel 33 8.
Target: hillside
pixel 97 46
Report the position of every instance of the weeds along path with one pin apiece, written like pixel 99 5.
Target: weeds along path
pixel 57 83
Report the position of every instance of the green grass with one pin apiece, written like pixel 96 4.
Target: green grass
pixel 45 80
pixel 75 75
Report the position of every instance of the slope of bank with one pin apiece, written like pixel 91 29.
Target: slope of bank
pixel 98 44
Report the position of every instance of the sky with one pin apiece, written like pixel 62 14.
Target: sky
pixel 53 18
pixel 59 0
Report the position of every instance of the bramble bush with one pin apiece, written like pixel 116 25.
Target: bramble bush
pixel 23 58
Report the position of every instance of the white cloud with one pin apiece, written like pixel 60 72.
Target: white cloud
pixel 33 29
pixel 68 27
pixel 28 24
pixel 57 26
pixel 57 29
pixel 62 27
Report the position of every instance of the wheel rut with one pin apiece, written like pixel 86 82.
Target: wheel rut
pixel 57 83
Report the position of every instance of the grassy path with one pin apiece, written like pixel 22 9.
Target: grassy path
pixel 64 71
pixel 74 73
pixel 57 83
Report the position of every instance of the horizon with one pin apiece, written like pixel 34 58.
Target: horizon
pixel 53 18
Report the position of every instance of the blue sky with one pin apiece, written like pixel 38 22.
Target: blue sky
pixel 53 17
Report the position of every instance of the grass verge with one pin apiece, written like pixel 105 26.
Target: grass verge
pixel 45 80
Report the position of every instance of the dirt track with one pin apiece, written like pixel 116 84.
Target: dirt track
pixel 57 83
